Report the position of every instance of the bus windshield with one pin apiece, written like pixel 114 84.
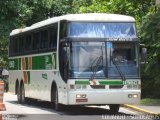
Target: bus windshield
pixel 123 60
pixel 103 60
pixel 102 30
pixel 85 59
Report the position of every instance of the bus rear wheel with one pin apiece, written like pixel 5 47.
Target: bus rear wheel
pixel 114 108
pixel 21 94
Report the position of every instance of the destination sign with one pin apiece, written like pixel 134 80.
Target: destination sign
pixel 121 39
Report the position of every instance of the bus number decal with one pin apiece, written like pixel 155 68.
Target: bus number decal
pixel 44 75
pixel 11 64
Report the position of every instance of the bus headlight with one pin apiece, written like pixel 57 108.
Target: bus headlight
pixel 132 95
pixel 81 95
pixel 135 96
pixel 78 96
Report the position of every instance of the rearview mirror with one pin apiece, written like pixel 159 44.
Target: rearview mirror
pixel 144 55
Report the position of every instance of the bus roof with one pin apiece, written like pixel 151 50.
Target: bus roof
pixel 99 17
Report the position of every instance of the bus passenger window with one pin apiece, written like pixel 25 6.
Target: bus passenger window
pixel 63 29
pixel 15 46
pixel 21 45
pixel 11 47
pixel 44 39
pixel 11 50
pixel 36 41
pixel 53 37
pixel 28 43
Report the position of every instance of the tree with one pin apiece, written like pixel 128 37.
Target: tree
pixel 135 8
pixel 21 13
pixel 7 22
pixel 149 32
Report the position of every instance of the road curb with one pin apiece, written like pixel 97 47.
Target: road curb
pixel 133 107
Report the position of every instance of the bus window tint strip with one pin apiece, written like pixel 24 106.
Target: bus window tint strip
pixel 37 41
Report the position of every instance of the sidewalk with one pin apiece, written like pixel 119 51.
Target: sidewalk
pixel 147 109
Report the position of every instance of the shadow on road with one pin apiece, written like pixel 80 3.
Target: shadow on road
pixel 68 110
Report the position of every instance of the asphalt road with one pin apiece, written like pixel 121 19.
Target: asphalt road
pixel 40 110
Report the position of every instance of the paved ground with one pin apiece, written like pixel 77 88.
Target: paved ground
pixel 155 109
pixel 146 109
pixel 44 111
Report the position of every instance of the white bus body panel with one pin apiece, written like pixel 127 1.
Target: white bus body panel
pixel 105 97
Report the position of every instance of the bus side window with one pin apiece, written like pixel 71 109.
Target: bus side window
pixel 11 47
pixel 53 37
pixel 44 39
pixel 28 43
pixel 63 29
pixel 36 41
pixel 21 45
pixel 15 46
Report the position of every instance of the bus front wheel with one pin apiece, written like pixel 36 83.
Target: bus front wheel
pixel 114 108
pixel 58 106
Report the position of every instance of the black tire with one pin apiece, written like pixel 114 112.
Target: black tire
pixel 58 106
pixel 21 94
pixel 114 108
pixel 18 93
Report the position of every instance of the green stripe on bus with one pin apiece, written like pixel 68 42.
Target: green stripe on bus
pixel 43 62
pixel 82 82
pixel 55 61
pixel 40 62
pixel 106 82
pixel 26 62
pixel 19 63
pixel 110 82
pixel 28 74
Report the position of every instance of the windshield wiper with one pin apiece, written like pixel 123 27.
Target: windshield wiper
pixel 99 59
pixel 118 69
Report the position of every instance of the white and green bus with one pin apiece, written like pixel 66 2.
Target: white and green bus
pixel 77 59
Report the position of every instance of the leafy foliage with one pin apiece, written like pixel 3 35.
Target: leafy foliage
pixel 135 8
pixel 8 20
pixel 149 32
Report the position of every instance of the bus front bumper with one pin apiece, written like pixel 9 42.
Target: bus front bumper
pixel 98 97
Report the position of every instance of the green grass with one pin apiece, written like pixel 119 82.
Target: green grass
pixel 150 101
